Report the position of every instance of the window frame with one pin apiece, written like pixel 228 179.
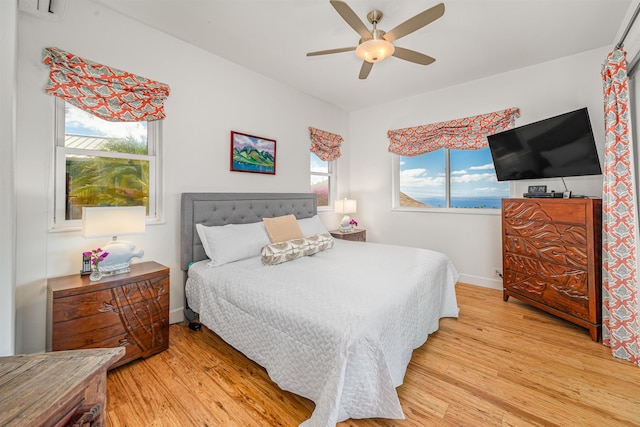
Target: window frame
pixel 333 180
pixel 395 192
pixel 58 199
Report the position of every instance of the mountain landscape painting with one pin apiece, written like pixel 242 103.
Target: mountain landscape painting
pixel 251 153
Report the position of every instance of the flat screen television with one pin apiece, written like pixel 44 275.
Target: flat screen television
pixel 556 147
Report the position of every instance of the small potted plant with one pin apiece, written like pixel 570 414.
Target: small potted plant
pixel 97 256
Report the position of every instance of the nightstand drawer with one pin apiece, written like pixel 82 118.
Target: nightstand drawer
pixel 357 235
pixel 106 321
pixel 108 300
pixel 139 342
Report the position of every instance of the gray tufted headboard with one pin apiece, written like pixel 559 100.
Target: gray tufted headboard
pixel 234 208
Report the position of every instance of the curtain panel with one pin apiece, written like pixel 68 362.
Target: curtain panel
pixel 619 211
pixel 469 133
pixel 105 92
pixel 325 145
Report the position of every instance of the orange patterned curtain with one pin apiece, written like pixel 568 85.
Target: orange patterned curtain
pixel 469 133
pixel 620 329
pixel 106 92
pixel 325 145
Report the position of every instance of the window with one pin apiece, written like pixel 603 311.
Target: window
pixel 103 163
pixel 322 180
pixel 446 178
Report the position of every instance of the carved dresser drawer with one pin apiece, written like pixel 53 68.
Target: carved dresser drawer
pixel 551 257
pixel 128 310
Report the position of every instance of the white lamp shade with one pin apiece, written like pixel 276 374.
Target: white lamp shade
pixel 345 206
pixel 113 221
pixel 375 50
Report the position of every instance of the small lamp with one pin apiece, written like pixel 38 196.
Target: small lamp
pixel 345 207
pixel 115 221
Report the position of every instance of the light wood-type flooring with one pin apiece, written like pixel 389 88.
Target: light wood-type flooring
pixel 499 364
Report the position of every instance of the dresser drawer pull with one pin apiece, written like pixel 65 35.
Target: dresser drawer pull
pixel 108 308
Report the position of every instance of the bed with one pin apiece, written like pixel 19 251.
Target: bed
pixel 337 327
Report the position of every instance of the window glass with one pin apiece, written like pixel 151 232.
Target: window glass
pixel 86 131
pixel 103 181
pixel 321 177
pixel 471 182
pixel 103 163
pixel 423 180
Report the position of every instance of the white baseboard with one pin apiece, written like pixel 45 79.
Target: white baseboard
pixel 481 281
pixel 176 315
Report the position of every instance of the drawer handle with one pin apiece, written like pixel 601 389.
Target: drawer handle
pixel 106 308
pixel 88 417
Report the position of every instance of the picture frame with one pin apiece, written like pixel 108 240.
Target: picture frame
pixel 254 154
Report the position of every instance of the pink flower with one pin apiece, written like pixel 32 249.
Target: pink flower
pixel 353 222
pixel 97 256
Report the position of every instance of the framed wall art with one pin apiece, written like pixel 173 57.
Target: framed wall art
pixel 251 153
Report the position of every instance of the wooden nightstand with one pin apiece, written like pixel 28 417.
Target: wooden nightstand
pixel 129 310
pixel 357 235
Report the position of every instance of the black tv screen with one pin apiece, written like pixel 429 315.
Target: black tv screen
pixel 555 147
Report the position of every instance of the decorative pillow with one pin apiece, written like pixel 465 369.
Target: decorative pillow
pixel 311 226
pixel 282 228
pixel 277 253
pixel 232 242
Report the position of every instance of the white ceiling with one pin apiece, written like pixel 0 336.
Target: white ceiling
pixel 474 39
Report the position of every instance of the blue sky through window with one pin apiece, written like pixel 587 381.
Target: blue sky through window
pixel 79 122
pixel 473 179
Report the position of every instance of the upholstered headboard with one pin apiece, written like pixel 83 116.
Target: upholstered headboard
pixel 234 208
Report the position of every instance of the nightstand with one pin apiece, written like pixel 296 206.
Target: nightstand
pixel 357 235
pixel 129 310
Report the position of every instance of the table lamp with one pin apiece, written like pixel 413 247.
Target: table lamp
pixel 115 221
pixel 345 207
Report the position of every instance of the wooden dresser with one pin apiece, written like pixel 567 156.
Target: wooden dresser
pixel 56 389
pixel 551 254
pixel 129 310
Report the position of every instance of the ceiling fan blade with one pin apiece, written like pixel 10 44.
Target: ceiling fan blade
pixel 351 18
pixel 413 56
pixel 365 70
pixel 330 51
pixel 415 23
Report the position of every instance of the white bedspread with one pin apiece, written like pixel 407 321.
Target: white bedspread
pixel 338 327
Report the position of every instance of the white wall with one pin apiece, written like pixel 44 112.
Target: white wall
pixel 472 241
pixel 209 97
pixel 8 46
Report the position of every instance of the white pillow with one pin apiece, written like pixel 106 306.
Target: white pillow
pixel 311 226
pixel 232 242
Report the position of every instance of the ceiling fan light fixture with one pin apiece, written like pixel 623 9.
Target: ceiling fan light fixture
pixel 375 50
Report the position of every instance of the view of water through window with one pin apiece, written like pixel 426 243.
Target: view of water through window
pixel 473 183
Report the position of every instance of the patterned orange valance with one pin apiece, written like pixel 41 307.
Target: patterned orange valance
pixel 106 92
pixel 469 133
pixel 325 145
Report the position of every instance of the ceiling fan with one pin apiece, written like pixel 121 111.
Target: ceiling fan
pixel 376 45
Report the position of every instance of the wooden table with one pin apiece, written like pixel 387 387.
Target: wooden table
pixel 55 389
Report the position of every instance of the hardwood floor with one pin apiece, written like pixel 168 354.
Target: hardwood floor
pixel 499 364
